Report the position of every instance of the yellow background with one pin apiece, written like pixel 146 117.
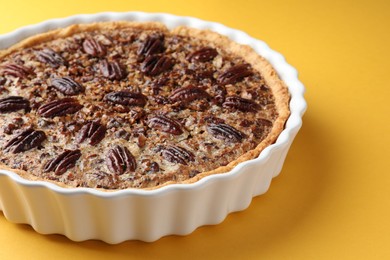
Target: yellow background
pixel 332 199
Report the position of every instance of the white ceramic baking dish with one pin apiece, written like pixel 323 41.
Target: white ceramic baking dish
pixel 82 213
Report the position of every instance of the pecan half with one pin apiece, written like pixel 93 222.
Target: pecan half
pixel 126 98
pixel 188 94
pixel 59 107
pixel 235 74
pixel 63 162
pixel 165 124
pixel 152 45
pixel 67 86
pixel 225 132
pixel 16 70
pixel 50 57
pixel 177 154
pixel 242 104
pixel 156 64
pixel 112 70
pixel 13 103
pixel 25 141
pixel 203 55
pixel 94 48
pixel 93 131
pixel 120 160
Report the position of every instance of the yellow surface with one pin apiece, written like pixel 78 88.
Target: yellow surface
pixel 332 199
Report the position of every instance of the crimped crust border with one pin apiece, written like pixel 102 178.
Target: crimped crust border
pixel 278 87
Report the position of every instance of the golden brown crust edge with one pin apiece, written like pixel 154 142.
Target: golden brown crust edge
pixel 278 87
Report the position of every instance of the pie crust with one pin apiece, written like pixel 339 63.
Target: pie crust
pixel 258 64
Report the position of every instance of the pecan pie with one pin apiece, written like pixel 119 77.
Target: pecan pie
pixel 119 105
